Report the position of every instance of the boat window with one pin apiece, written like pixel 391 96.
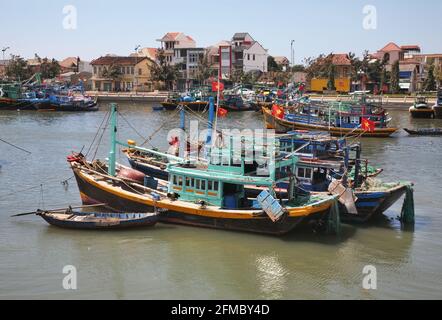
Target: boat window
pixel 197 183
pixel 215 186
pixel 175 181
pixel 210 185
pixel 180 181
pixel 301 172
pixel 203 184
pixel 308 173
pixel 354 120
pixel 188 182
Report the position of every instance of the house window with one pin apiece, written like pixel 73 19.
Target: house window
pixel 140 72
pixel 132 70
pixel 95 70
pixel 254 57
pixel 248 56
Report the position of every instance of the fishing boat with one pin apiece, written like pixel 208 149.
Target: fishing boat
pixel 437 108
pixel 235 103
pixel 342 125
pixel 424 132
pixel 210 195
pixel 421 108
pixel 11 98
pixel 98 221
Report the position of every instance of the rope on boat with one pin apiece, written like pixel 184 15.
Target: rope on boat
pixel 407 213
pixel 16 147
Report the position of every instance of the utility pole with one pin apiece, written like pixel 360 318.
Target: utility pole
pixel 4 50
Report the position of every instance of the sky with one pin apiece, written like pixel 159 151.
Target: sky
pixel 117 27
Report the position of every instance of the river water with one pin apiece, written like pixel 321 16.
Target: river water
pixel 176 262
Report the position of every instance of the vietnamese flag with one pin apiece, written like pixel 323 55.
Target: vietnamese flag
pixel 278 111
pixel 215 86
pixel 368 125
pixel 222 112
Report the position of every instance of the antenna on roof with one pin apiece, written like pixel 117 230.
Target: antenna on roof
pixel 137 48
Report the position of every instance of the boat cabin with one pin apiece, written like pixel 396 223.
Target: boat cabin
pixel 223 180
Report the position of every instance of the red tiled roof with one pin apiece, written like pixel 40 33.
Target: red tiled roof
pixel 391 47
pixel 410 47
pixel 341 59
pixel 68 62
pixel 171 36
pixel 108 60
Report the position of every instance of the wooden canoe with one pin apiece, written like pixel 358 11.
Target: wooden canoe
pixel 424 132
pixel 99 221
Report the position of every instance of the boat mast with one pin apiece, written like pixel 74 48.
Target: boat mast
pixel 113 130
pixel 211 118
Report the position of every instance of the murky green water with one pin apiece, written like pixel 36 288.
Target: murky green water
pixel 169 262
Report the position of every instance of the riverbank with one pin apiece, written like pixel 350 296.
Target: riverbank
pixel 151 97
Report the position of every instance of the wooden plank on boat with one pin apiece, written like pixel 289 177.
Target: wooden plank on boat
pixel 271 206
pixel 346 196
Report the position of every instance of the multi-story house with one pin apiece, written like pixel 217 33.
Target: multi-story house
pixel 112 73
pixel 181 51
pixel 220 59
pixel 248 54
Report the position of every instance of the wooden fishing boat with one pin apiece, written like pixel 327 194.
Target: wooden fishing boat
pixel 283 126
pixel 172 104
pixel 205 195
pixel 98 221
pixel 421 109
pixel 424 132
pixel 437 108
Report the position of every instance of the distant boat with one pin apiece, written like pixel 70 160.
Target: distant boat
pixel 424 132
pixel 437 109
pixel 421 109
pixel 310 122
pixel 98 221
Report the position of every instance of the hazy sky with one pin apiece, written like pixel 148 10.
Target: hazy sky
pixel 108 26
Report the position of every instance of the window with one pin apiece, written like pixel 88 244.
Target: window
pixel 305 173
pixel 248 56
pixel 175 180
pixel 95 70
pixel 140 72
pixel 180 181
pixel 188 182
pixel 132 70
pixel 203 184
pixel 354 120
pixel 254 57
pixel 197 183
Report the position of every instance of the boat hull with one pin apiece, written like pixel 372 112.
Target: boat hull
pixel 94 193
pixel 423 113
pixel 100 224
pixel 14 104
pixel 195 106
pixel 437 112
pixel 284 126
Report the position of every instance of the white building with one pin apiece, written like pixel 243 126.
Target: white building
pixel 248 54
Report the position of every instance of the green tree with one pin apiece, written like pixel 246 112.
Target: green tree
pixel 203 71
pixel 237 76
pixel 112 72
pixel 49 69
pixel 298 68
pixel 331 78
pixel 18 69
pixel 272 65
pixel 395 88
pixel 430 82
pixel 164 72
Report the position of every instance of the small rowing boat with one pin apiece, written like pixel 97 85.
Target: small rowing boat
pixel 98 221
pixel 424 132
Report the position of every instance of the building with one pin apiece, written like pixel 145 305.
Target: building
pixel 181 51
pixel 220 59
pixel 173 42
pixel 129 74
pixel 342 65
pixel 283 63
pixel 3 66
pixel 151 53
pixel 248 54
pixel 75 64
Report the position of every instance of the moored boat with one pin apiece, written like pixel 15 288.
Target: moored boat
pixel 98 221
pixel 283 125
pixel 206 195
pixel 424 132
pixel 421 108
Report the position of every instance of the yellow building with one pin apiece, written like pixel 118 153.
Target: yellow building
pixel 122 74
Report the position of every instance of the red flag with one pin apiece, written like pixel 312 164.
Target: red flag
pixel 215 86
pixel 368 125
pixel 278 111
pixel 175 141
pixel 222 112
